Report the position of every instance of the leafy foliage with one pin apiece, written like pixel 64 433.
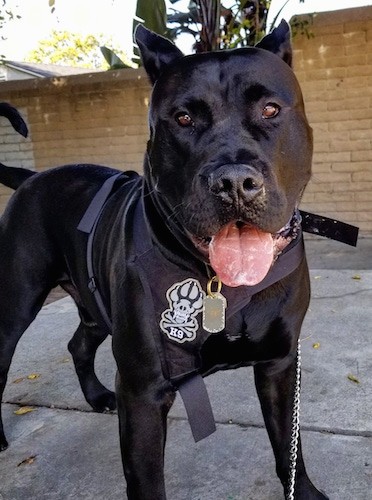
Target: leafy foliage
pixel 216 27
pixel 71 49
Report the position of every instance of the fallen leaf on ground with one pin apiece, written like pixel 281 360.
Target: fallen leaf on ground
pixel 18 380
pixel 316 345
pixel 32 376
pixel 356 277
pixel 23 410
pixel 353 378
pixel 27 461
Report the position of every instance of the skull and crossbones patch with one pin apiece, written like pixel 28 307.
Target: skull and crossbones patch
pixel 185 303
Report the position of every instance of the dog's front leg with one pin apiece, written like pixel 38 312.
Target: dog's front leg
pixel 275 384
pixel 142 427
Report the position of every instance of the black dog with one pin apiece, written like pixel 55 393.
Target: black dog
pixel 228 159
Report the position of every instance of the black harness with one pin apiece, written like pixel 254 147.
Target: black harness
pixel 180 358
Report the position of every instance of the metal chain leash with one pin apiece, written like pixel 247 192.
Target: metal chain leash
pixel 293 448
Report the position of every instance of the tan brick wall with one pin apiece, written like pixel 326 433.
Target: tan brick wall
pixel 102 117
pixel 95 118
pixel 335 72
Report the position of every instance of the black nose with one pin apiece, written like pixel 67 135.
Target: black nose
pixel 236 182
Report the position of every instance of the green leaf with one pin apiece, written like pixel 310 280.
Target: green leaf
pixel 353 378
pixel 153 15
pixel 112 59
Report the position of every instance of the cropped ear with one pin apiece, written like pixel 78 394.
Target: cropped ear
pixel 279 42
pixel 156 51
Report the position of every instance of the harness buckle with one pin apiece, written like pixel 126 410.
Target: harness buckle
pixel 92 285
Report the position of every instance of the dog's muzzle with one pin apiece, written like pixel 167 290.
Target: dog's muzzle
pixel 235 184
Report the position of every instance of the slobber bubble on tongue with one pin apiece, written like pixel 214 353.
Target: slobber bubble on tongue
pixel 241 255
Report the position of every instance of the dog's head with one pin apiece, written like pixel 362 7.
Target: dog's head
pixel 230 148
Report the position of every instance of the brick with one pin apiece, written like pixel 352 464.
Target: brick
pixel 350 166
pixel 333 39
pixel 321 167
pixel 354 186
pixel 352 81
pixel 364 175
pixel 364 196
pixel 11 148
pixel 347 61
pixel 16 156
pixel 325 74
pixel 320 128
pixel 333 116
pixel 321 147
pixel 25 146
pixel 350 125
pixel 356 145
pixel 361 156
pixel 320 136
pixel 314 106
pixel 352 206
pixel 355 50
pixel 359 71
pixel 328 52
pixel 331 177
pixel 350 103
pixel 313 85
pixel 29 164
pixel 332 157
pixel 324 197
pixel 318 187
pixel 354 26
pixel 355 37
pixel 364 215
pixel 362 92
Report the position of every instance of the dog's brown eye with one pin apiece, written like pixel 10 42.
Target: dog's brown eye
pixel 270 110
pixel 184 120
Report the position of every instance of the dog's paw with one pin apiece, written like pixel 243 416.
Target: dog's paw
pixel 103 402
pixel 3 443
pixel 323 496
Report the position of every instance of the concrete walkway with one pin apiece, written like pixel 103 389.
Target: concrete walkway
pixel 62 450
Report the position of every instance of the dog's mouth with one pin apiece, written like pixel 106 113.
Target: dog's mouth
pixel 242 254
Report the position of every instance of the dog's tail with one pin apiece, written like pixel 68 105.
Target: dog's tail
pixel 13 177
pixel 14 117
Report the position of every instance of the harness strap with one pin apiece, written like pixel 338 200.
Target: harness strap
pixel 198 407
pixel 329 228
pixel 88 225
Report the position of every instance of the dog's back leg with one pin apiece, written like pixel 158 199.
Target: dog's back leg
pixel 83 346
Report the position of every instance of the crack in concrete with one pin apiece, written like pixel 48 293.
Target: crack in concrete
pixel 243 425
pixel 351 294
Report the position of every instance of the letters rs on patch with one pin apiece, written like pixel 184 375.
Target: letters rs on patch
pixel 185 303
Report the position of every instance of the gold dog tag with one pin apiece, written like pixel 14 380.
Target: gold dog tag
pixel 214 307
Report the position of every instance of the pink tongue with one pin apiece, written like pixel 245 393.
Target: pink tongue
pixel 241 256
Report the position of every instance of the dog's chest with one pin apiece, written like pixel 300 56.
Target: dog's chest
pixel 175 298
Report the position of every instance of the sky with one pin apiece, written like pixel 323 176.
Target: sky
pixel 113 18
